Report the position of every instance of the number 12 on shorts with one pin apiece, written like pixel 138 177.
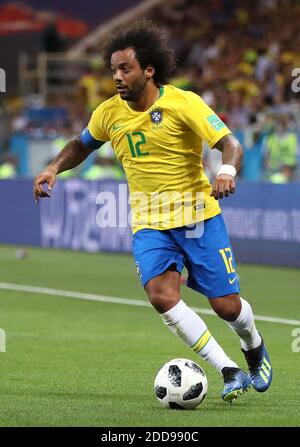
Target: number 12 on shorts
pixel 227 258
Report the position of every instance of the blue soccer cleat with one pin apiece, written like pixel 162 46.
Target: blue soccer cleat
pixel 260 367
pixel 236 382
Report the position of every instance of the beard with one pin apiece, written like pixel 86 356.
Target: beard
pixel 133 94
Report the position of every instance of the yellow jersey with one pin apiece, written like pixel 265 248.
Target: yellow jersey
pixel 161 153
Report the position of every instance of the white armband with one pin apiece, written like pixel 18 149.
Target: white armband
pixel 227 169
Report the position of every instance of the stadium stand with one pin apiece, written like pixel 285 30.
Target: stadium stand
pixel 239 56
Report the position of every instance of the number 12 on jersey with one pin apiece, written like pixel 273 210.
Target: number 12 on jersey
pixel 135 143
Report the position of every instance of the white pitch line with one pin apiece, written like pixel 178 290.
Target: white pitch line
pixel 118 300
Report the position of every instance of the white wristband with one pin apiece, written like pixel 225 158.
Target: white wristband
pixel 227 169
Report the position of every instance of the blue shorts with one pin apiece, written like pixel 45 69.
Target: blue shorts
pixel 207 256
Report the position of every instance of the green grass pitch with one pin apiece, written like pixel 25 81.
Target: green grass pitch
pixel 72 362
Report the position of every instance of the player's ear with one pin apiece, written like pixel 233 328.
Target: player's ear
pixel 149 72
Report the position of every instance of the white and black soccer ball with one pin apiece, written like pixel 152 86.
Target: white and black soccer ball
pixel 180 384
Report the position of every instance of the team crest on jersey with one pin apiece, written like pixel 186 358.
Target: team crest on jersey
pixel 156 116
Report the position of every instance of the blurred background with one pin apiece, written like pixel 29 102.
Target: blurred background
pixel 240 56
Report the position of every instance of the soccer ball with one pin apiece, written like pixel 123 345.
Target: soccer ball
pixel 180 384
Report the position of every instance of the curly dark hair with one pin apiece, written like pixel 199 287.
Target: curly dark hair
pixel 150 46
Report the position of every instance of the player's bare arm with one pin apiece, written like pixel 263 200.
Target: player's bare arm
pixel 232 156
pixel 71 156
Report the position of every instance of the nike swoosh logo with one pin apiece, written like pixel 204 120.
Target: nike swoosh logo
pixel 231 281
pixel 115 127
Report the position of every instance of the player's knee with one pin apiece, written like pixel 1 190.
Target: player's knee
pixel 227 308
pixel 228 314
pixel 163 299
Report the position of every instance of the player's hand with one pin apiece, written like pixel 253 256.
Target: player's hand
pixel 48 176
pixel 224 185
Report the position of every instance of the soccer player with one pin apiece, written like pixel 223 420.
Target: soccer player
pixel 157 132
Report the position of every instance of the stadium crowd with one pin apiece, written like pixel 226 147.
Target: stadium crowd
pixel 239 56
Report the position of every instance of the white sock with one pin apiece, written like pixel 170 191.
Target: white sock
pixel 187 325
pixel 245 328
